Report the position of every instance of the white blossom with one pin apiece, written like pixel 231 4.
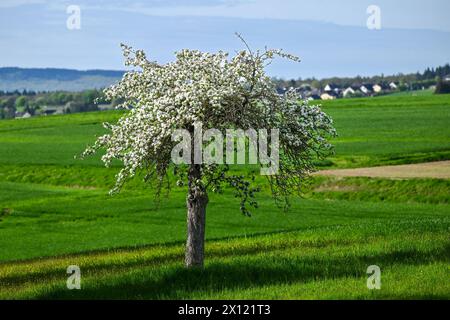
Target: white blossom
pixel 220 91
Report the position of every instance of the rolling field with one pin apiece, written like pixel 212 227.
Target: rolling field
pixel 390 130
pixel 55 212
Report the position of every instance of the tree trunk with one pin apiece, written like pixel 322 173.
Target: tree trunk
pixel 197 199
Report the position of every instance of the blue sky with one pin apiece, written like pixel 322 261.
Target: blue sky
pixel 331 36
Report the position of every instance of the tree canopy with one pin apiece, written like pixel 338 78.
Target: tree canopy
pixel 220 92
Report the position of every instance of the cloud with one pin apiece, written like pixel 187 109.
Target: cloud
pixel 403 14
pixel 18 3
pixel 409 14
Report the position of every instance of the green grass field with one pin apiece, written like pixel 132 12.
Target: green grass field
pixel 413 93
pixel 55 212
pixel 390 130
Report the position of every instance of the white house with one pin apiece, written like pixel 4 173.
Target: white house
pixel 348 91
pixel 366 89
pixel 328 88
pixel 328 96
pixel 393 86
pixel 377 88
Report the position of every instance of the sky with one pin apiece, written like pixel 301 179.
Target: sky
pixel 331 37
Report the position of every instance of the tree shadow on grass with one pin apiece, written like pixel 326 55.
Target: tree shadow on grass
pixel 239 274
pixel 157 261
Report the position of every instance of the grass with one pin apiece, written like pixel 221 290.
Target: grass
pixel 390 130
pixel 53 220
pixel 55 212
pixel 372 131
pixel 432 191
pixel 413 93
pixel 325 262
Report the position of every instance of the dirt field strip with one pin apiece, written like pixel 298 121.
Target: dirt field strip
pixel 439 170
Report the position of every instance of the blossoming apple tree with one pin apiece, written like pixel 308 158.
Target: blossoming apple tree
pixel 220 92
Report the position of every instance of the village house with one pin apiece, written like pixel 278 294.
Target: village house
pixel 367 89
pixel 314 94
pixel 377 88
pixel 350 91
pixel 381 87
pixel 331 91
pixel 393 86
pixel 328 95
pixel 330 88
pixel 22 115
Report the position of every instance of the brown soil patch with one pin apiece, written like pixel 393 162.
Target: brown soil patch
pixel 438 170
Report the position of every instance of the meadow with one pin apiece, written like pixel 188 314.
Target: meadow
pixel 55 211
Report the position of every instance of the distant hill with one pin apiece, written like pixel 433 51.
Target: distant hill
pixel 52 79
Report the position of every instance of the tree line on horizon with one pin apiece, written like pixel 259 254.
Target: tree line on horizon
pixel 412 81
pixel 35 103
